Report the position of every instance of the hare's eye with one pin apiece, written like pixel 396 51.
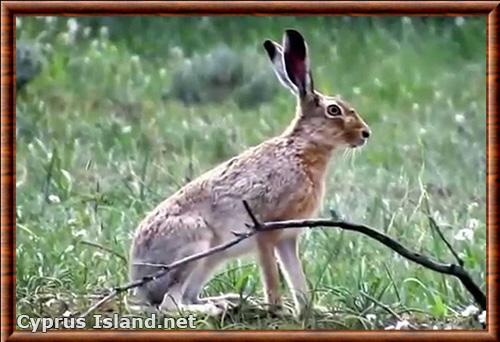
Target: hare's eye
pixel 333 110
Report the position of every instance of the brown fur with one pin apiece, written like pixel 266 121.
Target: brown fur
pixel 282 178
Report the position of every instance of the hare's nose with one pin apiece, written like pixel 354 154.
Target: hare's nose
pixel 365 133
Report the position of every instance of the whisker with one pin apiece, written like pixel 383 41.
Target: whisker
pixel 352 159
pixel 349 155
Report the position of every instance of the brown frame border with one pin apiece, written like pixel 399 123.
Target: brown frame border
pixel 11 8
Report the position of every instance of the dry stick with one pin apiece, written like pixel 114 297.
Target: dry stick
pixel 435 226
pixel 104 248
pixel 386 308
pixel 451 269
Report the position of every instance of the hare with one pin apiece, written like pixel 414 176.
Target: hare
pixel 281 179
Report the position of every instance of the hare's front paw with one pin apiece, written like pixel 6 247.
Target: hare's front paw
pixel 231 298
pixel 205 308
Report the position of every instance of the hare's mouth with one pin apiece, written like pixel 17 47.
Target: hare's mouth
pixel 358 144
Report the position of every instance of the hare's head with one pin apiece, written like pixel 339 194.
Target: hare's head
pixel 326 120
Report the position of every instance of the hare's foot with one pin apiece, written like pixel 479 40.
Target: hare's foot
pixel 229 297
pixel 170 304
pixel 208 309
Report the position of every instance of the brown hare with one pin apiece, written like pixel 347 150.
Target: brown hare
pixel 281 179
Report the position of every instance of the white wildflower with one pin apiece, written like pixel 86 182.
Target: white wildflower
pixel 482 317
pixel 459 21
pixel 104 32
pixel 470 310
pixel 86 31
pixel 50 20
pixel 371 317
pixel 464 234
pixel 459 118
pixel 402 325
pixel 472 206
pixel 72 25
pixel 80 233
pixel 406 20
pixel 66 38
pixel 176 52
pixel 54 199
pixel 473 223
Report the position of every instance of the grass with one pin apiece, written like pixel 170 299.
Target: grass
pixel 99 144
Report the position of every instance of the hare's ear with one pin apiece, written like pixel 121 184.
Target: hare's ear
pixel 275 53
pixel 296 62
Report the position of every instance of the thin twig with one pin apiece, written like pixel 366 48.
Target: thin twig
pixel 104 248
pixel 398 296
pixel 383 306
pixel 104 300
pixel 149 264
pixel 256 223
pixel 435 226
pixel 48 178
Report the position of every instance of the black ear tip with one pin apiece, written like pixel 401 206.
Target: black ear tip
pixel 294 35
pixel 270 48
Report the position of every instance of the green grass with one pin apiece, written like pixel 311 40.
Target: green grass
pixel 98 145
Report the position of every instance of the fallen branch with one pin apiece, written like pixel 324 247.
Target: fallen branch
pixel 451 269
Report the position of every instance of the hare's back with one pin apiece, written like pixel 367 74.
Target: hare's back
pixel 270 177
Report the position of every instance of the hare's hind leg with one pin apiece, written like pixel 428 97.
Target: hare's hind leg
pixel 175 298
pixel 204 269
pixel 190 235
